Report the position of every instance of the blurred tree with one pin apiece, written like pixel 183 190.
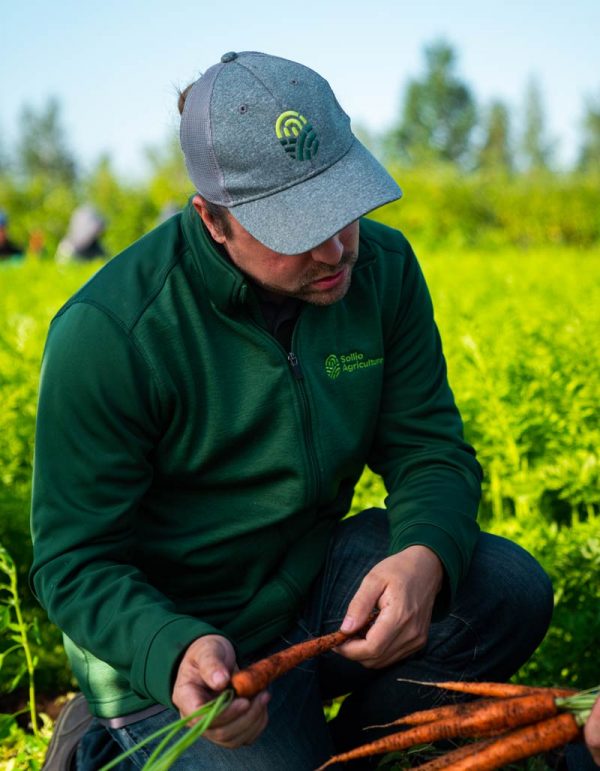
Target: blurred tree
pixel 589 160
pixel 536 150
pixel 169 182
pixel 439 113
pixel 495 151
pixel 4 162
pixel 101 184
pixel 127 208
pixel 370 139
pixel 42 148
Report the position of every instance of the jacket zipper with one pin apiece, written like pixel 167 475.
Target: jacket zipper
pixel 295 365
pixel 296 369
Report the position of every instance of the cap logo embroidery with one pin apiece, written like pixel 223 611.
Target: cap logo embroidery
pixel 297 136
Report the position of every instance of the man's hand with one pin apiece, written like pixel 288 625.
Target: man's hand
pixel 403 587
pixel 592 732
pixel 204 671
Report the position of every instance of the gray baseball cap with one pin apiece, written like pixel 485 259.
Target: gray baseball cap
pixel 266 138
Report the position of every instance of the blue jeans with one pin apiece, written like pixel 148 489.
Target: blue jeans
pixel 499 616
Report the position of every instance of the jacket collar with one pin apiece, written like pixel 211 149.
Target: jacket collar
pixel 225 284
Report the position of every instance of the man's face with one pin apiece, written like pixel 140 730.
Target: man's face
pixel 320 276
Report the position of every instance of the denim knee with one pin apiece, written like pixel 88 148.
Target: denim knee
pixel 532 595
pixel 510 598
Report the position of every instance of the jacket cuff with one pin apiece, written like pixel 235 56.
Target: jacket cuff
pixel 154 671
pixel 447 550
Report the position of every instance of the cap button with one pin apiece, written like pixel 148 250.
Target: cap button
pixel 229 57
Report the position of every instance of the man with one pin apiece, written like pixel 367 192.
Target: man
pixel 208 402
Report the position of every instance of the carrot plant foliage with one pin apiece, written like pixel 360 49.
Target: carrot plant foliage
pixel 520 331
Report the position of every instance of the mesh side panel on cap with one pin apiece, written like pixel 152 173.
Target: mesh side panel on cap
pixel 197 142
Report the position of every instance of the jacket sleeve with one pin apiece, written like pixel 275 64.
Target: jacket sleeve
pixel 98 421
pixel 432 476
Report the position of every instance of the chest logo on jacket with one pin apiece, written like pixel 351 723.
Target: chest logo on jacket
pixel 350 363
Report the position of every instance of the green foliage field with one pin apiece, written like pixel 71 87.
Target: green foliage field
pixel 520 335
pixel 511 251
pixel 520 328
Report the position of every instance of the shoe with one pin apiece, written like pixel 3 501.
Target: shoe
pixel 71 724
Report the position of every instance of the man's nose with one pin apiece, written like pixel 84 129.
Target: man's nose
pixel 330 252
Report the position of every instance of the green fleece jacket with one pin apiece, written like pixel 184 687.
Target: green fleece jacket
pixel 189 471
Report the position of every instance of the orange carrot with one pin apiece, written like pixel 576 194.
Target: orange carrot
pixel 500 714
pixel 493 690
pixel 442 712
pixel 254 678
pixel 442 761
pixel 522 743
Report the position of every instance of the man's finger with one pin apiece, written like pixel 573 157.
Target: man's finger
pixel 203 671
pixel 211 667
pixel 362 604
pixel 376 642
pixel 215 674
pixel 235 728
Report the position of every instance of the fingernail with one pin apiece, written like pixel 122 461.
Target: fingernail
pixel 347 624
pixel 219 679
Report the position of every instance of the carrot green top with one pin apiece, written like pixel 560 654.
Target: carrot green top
pixel 187 478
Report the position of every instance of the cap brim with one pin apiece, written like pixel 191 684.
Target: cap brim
pixel 299 218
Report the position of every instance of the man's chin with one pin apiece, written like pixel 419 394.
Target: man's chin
pixel 316 296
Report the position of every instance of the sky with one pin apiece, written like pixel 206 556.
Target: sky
pixel 115 66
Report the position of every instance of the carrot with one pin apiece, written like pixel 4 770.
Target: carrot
pixel 442 712
pixel 253 679
pixel 521 743
pixel 500 714
pixel 442 761
pixel 493 690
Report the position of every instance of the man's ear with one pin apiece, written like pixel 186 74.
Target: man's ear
pixel 215 231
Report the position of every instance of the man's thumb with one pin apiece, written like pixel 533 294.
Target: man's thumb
pixel 218 678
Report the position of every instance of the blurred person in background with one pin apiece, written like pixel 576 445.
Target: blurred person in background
pixel 82 241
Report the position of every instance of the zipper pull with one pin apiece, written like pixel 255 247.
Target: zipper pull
pixel 295 365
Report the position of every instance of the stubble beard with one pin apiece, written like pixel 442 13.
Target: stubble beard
pixel 314 296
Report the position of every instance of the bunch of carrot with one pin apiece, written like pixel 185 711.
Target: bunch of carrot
pixel 511 722
pixel 245 683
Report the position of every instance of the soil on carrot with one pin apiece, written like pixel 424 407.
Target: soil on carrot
pixel 551 761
